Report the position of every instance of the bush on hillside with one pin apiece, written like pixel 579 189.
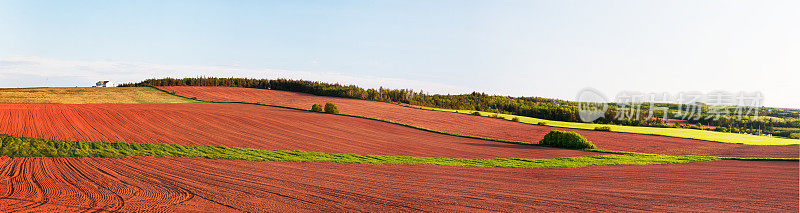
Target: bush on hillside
pixel 564 139
pixel 316 108
pixel 515 119
pixel 603 128
pixel 331 108
pixel 694 127
pixel 476 113
pixel 541 123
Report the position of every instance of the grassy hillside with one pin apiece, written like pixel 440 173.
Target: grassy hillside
pixel 87 95
pixel 672 132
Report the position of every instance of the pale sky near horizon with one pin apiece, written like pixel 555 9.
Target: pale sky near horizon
pixel 519 48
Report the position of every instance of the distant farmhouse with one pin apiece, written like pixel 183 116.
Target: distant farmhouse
pixel 101 84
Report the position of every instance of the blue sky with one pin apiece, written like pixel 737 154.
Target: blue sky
pixel 530 48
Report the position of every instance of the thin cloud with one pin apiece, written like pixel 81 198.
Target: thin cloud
pixel 38 72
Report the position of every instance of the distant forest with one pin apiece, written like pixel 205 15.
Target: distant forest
pixel 776 121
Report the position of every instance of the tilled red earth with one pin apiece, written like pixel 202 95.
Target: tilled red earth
pixel 488 127
pixel 195 184
pixel 248 126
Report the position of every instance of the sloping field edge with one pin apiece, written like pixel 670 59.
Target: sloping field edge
pixel 567 127
pixel 363 117
pixel 32 147
pixel 487 114
pixel 459 135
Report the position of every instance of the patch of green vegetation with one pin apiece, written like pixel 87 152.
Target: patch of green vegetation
pixel 760 159
pixel 32 147
pixel 603 128
pixel 316 108
pixel 331 108
pixel 564 139
pixel 724 137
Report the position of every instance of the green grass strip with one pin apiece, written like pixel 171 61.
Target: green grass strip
pixel 32 147
pixel 722 158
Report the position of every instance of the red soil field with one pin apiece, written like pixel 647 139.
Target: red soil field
pixel 248 126
pixel 196 184
pixel 487 127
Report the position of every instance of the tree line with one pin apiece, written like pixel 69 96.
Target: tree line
pixel 545 108
pixel 537 107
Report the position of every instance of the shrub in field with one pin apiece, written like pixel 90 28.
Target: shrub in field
pixel 476 113
pixel 331 108
pixel 316 108
pixel 694 127
pixel 564 139
pixel 541 123
pixel 603 128
pixel 496 116
pixel 515 119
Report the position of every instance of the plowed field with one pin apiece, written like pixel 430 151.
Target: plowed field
pixel 488 127
pixel 248 126
pixel 195 184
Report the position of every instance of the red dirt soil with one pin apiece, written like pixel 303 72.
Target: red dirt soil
pixel 248 126
pixel 196 184
pixel 487 127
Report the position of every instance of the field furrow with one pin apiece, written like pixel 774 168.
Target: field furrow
pixel 248 126
pixel 182 183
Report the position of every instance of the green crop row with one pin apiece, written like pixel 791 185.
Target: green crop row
pixel 31 147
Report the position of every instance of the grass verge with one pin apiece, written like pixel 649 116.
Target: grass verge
pixel 723 137
pixel 31 147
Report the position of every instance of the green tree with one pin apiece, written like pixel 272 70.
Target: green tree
pixel 316 108
pixel 565 139
pixel 331 108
